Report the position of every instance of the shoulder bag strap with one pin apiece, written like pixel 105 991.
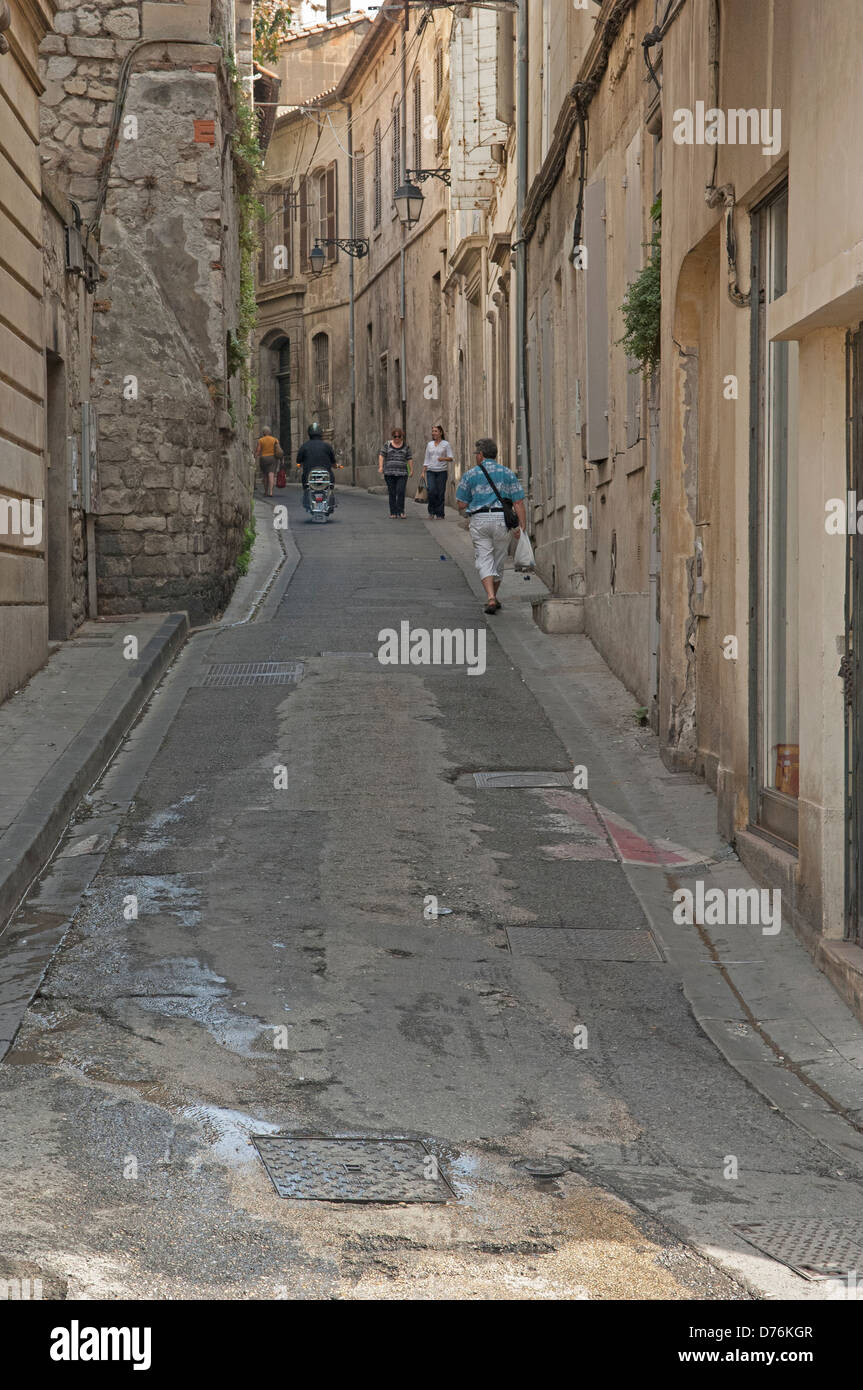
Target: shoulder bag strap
pixel 492 486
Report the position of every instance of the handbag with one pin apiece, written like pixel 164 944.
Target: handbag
pixel 510 515
pixel 421 493
pixel 281 478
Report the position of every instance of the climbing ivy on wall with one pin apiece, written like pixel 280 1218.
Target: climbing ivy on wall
pixel 248 162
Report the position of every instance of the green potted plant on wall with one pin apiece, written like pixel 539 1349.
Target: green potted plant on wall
pixel 642 305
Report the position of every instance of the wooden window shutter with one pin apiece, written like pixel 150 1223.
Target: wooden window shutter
pixel 596 322
pixel 304 226
pixel 262 244
pixel 287 226
pixel 397 147
pixel 378 175
pixel 332 210
pixel 418 122
pixel 359 194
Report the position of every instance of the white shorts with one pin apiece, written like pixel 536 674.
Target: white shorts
pixel 490 542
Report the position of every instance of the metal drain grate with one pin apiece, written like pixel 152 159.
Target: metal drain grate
pixel 813 1248
pixel 583 945
pixel 255 673
pixel 489 781
pixel 352 1170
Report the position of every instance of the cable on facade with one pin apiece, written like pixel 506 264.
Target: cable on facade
pixel 309 111
pixel 123 79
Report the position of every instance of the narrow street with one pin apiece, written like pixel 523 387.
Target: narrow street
pixel 156 1045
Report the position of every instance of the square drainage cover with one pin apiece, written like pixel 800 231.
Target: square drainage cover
pixel 352 1170
pixel 562 943
pixel 255 673
pixel 813 1248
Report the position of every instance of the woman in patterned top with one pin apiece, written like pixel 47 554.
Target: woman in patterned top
pixel 396 464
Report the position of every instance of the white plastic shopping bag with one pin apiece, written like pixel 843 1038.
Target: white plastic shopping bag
pixel 524 557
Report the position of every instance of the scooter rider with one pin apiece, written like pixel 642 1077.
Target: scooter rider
pixel 316 453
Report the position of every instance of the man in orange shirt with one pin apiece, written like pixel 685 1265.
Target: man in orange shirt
pixel 268 451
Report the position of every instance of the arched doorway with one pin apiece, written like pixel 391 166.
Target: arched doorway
pixel 277 388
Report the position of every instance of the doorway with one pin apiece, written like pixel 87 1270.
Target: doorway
pixel 851 664
pixel 57 539
pixel 774 768
pixel 284 397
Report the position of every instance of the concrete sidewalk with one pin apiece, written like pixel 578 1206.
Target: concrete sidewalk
pixel 58 733
pixel 760 998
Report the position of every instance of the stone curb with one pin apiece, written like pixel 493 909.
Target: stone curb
pixel 27 844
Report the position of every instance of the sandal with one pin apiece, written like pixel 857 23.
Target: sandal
pixel 492 608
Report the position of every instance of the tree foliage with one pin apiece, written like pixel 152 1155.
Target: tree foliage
pixel 272 27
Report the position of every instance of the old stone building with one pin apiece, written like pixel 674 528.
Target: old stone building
pixel 361 346
pixel 141 117
pixel 760 440
pixel 23 578
pixel 303 324
pixel 319 47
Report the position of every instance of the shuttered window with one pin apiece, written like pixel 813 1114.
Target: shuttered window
pixel 378 176
pixel 397 146
pixel 596 321
pixel 304 226
pixel 438 95
pixel 288 228
pixel 418 123
pixel 262 251
pixel 321 368
pixel 360 194
pixel 331 205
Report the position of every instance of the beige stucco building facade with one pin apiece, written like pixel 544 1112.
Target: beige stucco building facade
pixel 760 392
pixel 23 578
pixel 47 268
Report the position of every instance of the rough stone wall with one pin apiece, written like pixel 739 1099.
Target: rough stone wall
pixel 79 64
pixel 174 454
pixel 174 472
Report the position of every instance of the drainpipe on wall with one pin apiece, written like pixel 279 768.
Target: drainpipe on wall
pixel 403 177
pixel 522 434
pixel 352 288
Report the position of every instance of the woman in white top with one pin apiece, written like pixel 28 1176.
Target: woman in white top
pixel 436 471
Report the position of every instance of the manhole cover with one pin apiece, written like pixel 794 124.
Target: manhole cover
pixel 255 673
pixel 352 1170
pixel 813 1248
pixel 489 781
pixel 583 945
pixel 546 1168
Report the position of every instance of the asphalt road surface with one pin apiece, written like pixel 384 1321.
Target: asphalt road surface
pixel 284 975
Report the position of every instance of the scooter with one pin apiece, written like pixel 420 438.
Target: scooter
pixel 322 495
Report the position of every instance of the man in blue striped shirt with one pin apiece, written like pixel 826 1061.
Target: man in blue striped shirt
pixel 476 496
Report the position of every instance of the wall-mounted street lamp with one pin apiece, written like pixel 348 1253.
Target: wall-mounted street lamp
pixel 409 201
pixel 420 175
pixel 410 197
pixel 352 246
